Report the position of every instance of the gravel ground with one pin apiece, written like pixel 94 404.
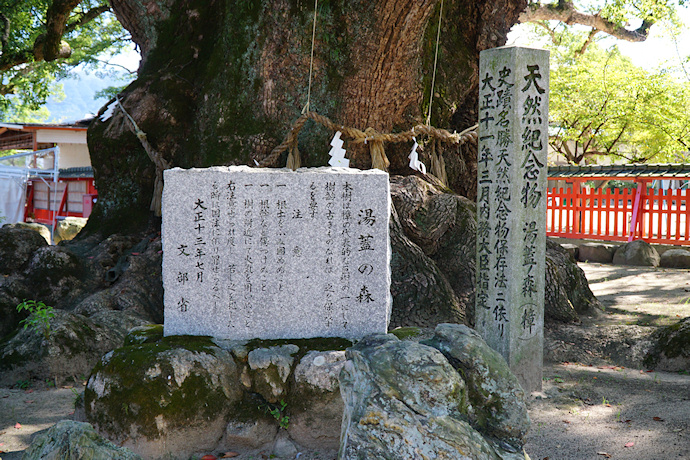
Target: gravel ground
pixel 597 400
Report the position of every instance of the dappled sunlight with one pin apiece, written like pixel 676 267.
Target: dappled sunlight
pixel 593 412
pixel 653 293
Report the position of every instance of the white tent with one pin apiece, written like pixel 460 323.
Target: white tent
pixel 15 171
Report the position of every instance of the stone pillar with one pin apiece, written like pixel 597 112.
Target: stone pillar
pixel 511 206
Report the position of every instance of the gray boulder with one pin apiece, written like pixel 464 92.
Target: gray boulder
pixel 493 391
pixel 168 398
pixel 317 407
pixel 675 258
pixel 572 249
pixel 70 440
pixel 41 229
pixel 596 252
pixel 73 345
pixel 270 369
pixel 405 400
pixel 68 228
pixel 638 253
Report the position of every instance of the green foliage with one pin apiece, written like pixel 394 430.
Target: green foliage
pixel 278 413
pixel 602 104
pixel 27 81
pixel 624 12
pixel 39 317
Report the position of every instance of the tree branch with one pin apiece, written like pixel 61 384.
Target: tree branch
pixel 49 46
pixel 87 17
pixel 565 12
pixel 7 61
pixel 5 32
pixel 51 42
pixel 587 42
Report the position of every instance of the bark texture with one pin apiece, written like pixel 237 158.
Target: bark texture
pixel 222 82
pixel 438 250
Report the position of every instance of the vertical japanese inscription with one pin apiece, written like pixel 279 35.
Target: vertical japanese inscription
pixel 277 254
pixel 513 115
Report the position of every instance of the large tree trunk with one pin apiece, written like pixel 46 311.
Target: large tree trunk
pixel 222 83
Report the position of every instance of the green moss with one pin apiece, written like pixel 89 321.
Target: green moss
pixel 137 399
pixel 672 342
pixel 305 345
pixel 150 333
pixel 406 332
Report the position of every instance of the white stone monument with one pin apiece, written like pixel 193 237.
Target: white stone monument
pixel 273 253
pixel 511 206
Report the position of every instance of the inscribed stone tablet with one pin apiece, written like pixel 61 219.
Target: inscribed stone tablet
pixel 273 253
pixel 511 206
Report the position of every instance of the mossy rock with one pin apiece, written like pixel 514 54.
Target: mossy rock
pixel 71 347
pixel 155 397
pixel 68 439
pixel 671 350
pixel 149 333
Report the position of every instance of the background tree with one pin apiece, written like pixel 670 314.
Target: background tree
pixel 612 17
pixel 603 105
pixel 41 40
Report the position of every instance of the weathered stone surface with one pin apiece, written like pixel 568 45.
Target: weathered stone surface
pixel 249 435
pixel 316 404
pixel 270 369
pixel 498 402
pixel 42 230
pixel 246 243
pixel 165 399
pixel 149 333
pixel 405 400
pixel 74 345
pixel 637 252
pixel 70 440
pixel 511 206
pixel 675 258
pixel 17 245
pixel 175 387
pixel 596 252
pixel 68 228
pixel 572 249
pixel 671 349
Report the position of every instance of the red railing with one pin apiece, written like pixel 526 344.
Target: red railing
pixel 656 216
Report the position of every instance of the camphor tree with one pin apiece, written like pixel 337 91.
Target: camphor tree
pixel 603 105
pixel 222 82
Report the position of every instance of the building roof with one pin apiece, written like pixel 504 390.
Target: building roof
pixel 30 136
pixel 651 171
pixel 77 172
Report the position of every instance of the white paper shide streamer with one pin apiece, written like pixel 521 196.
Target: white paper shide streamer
pixel 414 159
pixel 337 153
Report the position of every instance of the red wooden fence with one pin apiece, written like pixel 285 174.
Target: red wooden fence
pixel 656 216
